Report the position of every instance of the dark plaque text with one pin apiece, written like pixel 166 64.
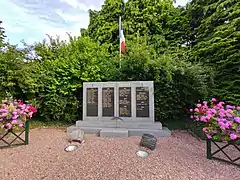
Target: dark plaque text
pixel 92 101
pixel 142 102
pixel 107 102
pixel 125 102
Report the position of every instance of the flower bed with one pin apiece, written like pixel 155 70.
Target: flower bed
pixel 221 124
pixel 14 116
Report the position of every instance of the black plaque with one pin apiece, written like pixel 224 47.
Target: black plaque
pixel 142 102
pixel 92 101
pixel 125 105
pixel 108 102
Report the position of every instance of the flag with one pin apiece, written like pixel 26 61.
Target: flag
pixel 122 39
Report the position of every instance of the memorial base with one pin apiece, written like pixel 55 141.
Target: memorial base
pixel 130 128
pixel 113 132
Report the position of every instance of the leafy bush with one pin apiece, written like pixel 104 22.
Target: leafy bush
pixel 177 83
pixel 63 73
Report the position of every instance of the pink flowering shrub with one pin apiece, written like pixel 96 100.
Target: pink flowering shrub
pixel 14 114
pixel 221 121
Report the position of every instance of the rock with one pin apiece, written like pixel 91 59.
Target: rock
pixel 148 141
pixel 76 135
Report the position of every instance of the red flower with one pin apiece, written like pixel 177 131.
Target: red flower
pixel 201 111
pixel 20 103
pixel 33 109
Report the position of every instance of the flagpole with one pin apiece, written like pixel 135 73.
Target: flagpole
pixel 119 42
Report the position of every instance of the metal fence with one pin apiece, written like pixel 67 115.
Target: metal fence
pixel 222 149
pixel 15 138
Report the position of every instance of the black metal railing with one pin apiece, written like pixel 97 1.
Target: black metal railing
pixel 212 155
pixel 5 143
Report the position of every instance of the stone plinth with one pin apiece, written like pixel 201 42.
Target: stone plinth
pixel 130 101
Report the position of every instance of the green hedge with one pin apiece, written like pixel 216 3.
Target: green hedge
pixel 54 83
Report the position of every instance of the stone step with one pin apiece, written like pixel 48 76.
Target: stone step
pixel 113 132
pixel 88 130
pixel 120 124
pixel 164 132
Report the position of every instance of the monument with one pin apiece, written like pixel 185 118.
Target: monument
pixel 131 103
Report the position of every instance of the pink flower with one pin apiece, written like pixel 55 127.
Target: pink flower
pixel 209 136
pixel 15 117
pixel 213 111
pixel 191 110
pixel 214 100
pixel 196 110
pixel 229 123
pixel 209 116
pixel 23 106
pixel 205 103
pixel 14 121
pixel 14 113
pixel 230 107
pixel 203 119
pixel 233 136
pixel 229 115
pixel 221 114
pixel 199 105
pixel 238 108
pixel 30 114
pixel 191 116
pixel 2 126
pixel 237 119
pixel 9 125
pixel 204 129
pixel 20 125
pixel 220 104
pixel 223 126
pixel 196 117
pixel 4 114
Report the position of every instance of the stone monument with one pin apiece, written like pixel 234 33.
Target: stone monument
pixel 131 103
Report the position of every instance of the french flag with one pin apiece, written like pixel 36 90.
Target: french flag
pixel 122 39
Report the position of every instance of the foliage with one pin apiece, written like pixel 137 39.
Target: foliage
pixel 189 52
pixel 221 121
pixel 177 82
pixel 104 24
pixel 15 113
pixel 215 32
pixel 61 71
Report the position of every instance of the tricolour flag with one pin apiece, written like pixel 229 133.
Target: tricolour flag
pixel 122 39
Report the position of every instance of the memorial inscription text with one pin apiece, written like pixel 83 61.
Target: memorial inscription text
pixel 142 102
pixel 125 102
pixel 92 101
pixel 108 102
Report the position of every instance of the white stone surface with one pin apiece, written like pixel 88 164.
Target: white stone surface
pixel 113 132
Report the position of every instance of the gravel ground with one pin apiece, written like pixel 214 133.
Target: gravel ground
pixel 179 157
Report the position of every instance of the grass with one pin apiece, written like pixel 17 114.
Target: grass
pixel 37 124
pixel 177 125
pixel 194 128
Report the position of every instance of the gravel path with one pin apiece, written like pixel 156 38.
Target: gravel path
pixel 180 157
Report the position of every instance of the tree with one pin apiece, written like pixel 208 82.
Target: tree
pixel 104 24
pixel 217 43
pixel 2 35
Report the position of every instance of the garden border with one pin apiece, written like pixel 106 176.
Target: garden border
pixel 17 136
pixel 210 154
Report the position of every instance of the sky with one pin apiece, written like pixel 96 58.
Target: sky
pixel 31 20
